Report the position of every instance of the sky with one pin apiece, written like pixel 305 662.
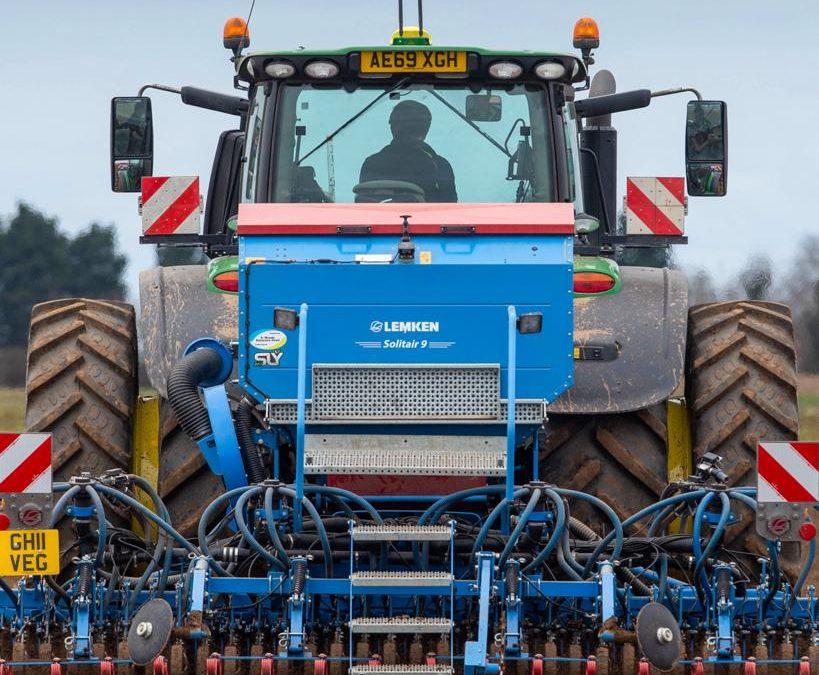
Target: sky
pixel 62 61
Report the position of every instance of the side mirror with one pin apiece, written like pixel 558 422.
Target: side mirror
pixel 132 142
pixel 706 148
pixel 484 108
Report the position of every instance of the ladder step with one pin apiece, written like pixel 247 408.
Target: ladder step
pixel 401 669
pixel 402 578
pixel 401 624
pixel 401 533
pixel 394 455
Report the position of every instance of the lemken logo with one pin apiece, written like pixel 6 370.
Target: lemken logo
pixel 405 326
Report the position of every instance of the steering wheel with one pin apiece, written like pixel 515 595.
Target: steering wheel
pixel 378 191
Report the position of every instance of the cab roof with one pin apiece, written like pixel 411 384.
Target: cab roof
pixel 251 67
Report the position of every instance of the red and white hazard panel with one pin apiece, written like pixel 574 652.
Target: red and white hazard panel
pixel 787 487
pixel 655 205
pixel 170 205
pixel 788 472
pixel 25 463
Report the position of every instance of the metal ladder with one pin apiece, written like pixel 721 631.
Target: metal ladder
pixel 402 583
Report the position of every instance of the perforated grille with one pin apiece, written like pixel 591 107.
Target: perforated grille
pixel 405 392
pixel 526 412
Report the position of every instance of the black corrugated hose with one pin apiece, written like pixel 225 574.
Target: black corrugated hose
pixel 254 468
pixel 183 390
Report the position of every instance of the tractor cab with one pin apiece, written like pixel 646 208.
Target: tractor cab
pixel 407 123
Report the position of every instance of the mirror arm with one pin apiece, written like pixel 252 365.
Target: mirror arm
pixel 678 90
pixel 471 123
pixel 160 87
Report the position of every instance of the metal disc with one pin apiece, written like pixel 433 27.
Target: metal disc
pixel 658 636
pixel 145 644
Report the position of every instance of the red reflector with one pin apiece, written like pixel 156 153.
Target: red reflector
pixel 807 531
pixel 592 282
pixel 4 521
pixel 227 281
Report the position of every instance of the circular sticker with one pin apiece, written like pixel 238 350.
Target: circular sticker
pixel 778 525
pixel 30 515
pixel 268 340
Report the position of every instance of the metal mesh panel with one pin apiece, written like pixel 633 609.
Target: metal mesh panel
pixel 526 412
pixel 405 392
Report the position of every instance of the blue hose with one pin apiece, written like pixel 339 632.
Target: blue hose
pixel 202 530
pixel 160 547
pixel 436 509
pixel 617 526
pixel 102 526
pixel 350 496
pixel 557 533
pixel 637 517
pixel 59 507
pixel 563 560
pixel 534 498
pixel 700 555
pixel 797 588
pixel 490 520
pixel 743 495
pixel 431 514
pixel 322 531
pixel 163 511
pixel 150 515
pixel 239 516
pixel 271 526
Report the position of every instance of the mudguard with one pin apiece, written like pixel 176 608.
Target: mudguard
pixel 629 347
pixel 175 309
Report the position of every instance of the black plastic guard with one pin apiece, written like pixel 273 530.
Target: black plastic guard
pixel 177 308
pixel 629 347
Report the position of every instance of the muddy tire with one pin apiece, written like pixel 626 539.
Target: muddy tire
pixel 619 458
pixel 741 388
pixel 186 484
pixel 81 385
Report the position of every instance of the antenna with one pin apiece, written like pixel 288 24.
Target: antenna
pixel 401 18
pixel 420 17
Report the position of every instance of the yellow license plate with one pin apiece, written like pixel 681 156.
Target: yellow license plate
pixel 428 61
pixel 24 552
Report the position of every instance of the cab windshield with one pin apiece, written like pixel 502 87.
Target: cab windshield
pixel 410 142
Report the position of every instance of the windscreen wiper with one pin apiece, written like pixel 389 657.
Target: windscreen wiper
pixel 346 124
pixel 470 122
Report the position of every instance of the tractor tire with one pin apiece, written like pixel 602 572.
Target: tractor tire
pixel 186 483
pixel 81 384
pixel 741 387
pixel 619 458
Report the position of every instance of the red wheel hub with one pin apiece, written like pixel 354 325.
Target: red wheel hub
pixel 804 666
pixel 214 664
pixel 160 665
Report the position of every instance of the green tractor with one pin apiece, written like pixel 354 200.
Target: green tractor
pixel 660 389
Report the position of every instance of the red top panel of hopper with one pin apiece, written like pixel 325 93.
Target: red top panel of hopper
pixel 528 218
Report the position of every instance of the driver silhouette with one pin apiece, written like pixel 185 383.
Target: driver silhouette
pixel 408 158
